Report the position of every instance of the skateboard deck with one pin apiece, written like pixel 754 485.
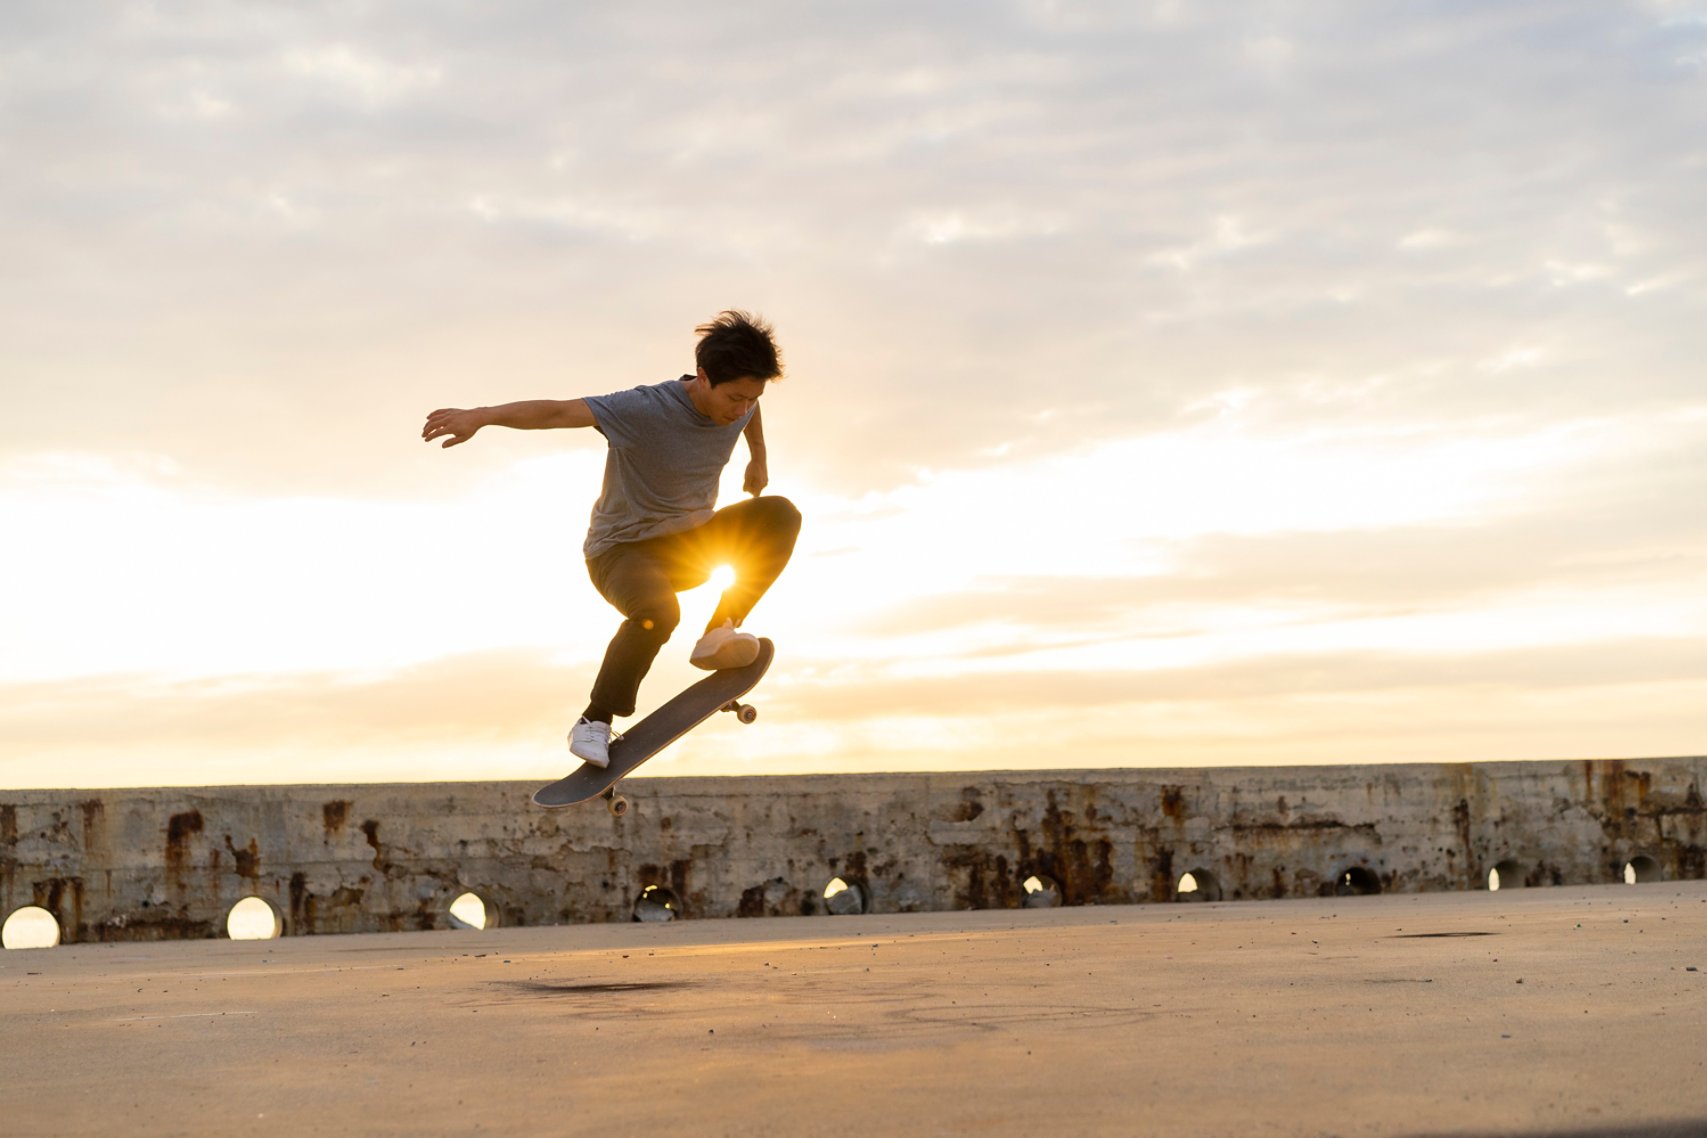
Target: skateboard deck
pixel 719 691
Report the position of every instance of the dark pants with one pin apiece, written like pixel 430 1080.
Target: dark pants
pixel 642 578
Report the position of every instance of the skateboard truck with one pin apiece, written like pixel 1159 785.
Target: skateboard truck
pixel 745 712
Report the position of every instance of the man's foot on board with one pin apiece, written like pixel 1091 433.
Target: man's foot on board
pixel 591 742
pixel 723 647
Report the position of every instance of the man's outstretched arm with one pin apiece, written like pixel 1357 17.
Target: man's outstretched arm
pixel 528 415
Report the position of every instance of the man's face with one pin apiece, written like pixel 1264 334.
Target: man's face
pixel 726 403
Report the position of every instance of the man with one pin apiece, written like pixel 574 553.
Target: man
pixel 655 529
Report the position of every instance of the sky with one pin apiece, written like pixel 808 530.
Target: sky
pixel 1167 384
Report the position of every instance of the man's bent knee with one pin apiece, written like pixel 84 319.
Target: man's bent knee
pixel 780 514
pixel 656 624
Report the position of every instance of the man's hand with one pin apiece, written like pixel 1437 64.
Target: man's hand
pixel 460 425
pixel 758 477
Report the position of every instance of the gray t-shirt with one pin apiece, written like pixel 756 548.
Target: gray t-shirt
pixel 663 466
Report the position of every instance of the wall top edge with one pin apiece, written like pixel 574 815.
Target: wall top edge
pixel 783 783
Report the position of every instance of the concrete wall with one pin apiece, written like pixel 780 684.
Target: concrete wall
pixel 147 864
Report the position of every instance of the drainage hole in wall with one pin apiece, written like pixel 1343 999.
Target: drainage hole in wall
pixel 1198 885
pixel 1642 869
pixel 843 899
pixel 469 912
pixel 656 903
pixel 30 927
pixel 1357 882
pixel 253 918
pixel 1507 874
pixel 1041 892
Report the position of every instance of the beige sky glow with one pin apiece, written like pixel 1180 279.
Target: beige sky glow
pixel 1303 383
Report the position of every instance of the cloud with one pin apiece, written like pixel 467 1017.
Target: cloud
pixel 926 204
pixel 1093 312
pixel 371 79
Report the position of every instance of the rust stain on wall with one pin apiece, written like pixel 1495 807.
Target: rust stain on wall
pixel 94 823
pixel 8 845
pixel 1461 821
pixel 179 830
pixel 1162 876
pixel 371 829
pixel 982 879
pixel 970 806
pixel 301 906
pixel 51 894
pixel 248 859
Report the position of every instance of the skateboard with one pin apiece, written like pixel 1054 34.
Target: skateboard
pixel 720 691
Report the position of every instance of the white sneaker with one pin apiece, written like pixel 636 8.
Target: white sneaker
pixel 723 647
pixel 591 742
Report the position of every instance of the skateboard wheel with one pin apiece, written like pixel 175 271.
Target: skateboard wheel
pixel 618 805
pixel 746 713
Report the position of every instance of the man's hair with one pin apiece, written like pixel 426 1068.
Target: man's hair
pixel 737 345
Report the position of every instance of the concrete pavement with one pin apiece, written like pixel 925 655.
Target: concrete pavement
pixel 1523 1012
